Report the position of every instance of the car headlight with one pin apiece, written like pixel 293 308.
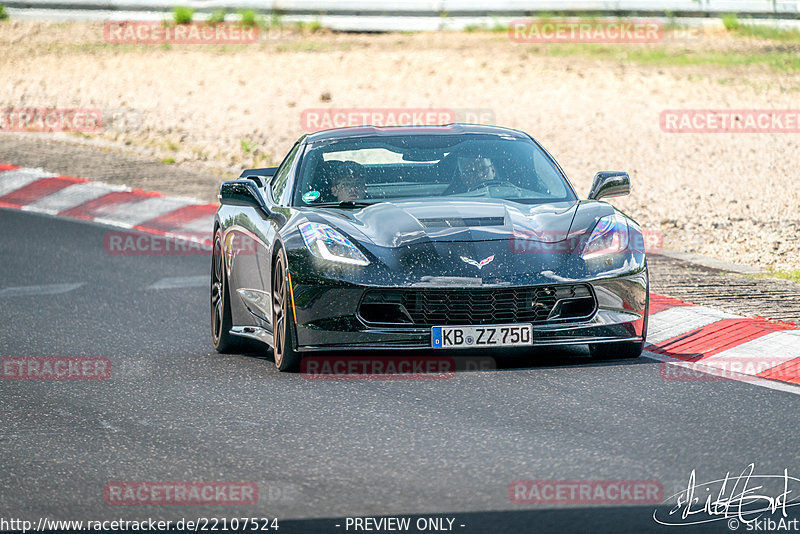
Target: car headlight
pixel 328 244
pixel 610 236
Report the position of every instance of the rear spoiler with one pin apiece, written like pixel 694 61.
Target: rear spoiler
pixel 266 172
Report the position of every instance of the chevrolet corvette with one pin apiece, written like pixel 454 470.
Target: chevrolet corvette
pixel 457 237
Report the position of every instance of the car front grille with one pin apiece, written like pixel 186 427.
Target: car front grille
pixel 429 307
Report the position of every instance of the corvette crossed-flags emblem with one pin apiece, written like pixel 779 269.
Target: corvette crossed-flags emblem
pixel 478 264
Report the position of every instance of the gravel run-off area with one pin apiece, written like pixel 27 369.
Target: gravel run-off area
pixel 218 109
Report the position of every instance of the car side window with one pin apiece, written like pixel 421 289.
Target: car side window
pixel 278 184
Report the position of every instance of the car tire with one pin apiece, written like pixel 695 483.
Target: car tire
pixel 221 322
pixel 286 357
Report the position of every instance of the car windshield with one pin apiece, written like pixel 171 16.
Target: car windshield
pixel 375 169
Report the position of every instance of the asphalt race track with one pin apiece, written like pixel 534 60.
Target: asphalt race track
pixel 321 451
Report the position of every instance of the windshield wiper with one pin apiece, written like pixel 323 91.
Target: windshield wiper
pixel 346 204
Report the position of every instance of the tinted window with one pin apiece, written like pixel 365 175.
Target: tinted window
pixel 424 166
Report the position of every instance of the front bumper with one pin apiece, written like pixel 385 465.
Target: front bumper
pixel 327 318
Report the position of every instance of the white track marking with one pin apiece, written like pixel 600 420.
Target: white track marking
pixel 71 196
pixel 679 320
pixel 27 291
pixel 13 180
pixel 143 210
pixel 764 352
pixel 112 222
pixel 179 282
pixel 200 225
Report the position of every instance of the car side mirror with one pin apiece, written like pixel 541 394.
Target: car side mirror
pixel 242 193
pixel 610 184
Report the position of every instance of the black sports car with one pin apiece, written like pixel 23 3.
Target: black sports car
pixel 436 237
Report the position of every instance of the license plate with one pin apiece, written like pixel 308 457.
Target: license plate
pixel 466 337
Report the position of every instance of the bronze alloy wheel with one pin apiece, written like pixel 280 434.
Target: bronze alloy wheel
pixel 286 357
pixel 221 321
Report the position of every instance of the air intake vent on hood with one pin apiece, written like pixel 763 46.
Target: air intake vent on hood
pixel 459 222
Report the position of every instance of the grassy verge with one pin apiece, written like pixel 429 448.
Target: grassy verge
pixel 787 61
pixel 249 19
pixel 735 26
pixel 784 56
pixel 217 17
pixel 183 15
pixel 793 276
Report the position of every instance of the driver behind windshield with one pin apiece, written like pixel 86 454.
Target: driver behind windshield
pixel 347 184
pixel 473 172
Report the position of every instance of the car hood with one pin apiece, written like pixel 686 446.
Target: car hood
pixel 395 224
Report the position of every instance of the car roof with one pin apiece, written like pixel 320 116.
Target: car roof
pixel 379 131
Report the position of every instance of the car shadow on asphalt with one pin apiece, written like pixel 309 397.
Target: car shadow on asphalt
pixel 470 361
